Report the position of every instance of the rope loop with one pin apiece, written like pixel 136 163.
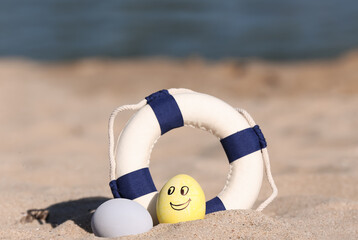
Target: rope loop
pixel 112 162
pixel 266 160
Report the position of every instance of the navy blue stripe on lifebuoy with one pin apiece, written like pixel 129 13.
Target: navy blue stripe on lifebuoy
pixel 166 110
pixel 243 143
pixel 114 189
pixel 214 205
pixel 133 185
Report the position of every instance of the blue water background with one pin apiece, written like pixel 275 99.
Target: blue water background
pixel 273 29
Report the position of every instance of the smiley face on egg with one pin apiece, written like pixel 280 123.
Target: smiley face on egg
pixel 181 199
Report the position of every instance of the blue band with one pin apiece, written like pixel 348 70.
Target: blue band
pixel 166 110
pixel 133 185
pixel 114 189
pixel 243 143
pixel 214 205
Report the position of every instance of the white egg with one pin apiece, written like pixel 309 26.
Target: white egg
pixel 120 217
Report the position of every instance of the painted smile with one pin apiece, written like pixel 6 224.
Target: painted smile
pixel 179 207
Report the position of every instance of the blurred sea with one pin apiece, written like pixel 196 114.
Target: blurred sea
pixel 275 29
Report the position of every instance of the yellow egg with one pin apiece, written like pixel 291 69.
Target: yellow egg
pixel 181 199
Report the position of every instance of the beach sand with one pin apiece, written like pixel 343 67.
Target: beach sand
pixel 54 144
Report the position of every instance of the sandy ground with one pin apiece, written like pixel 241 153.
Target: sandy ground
pixel 53 149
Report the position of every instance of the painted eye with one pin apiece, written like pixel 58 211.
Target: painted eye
pixel 184 190
pixel 171 190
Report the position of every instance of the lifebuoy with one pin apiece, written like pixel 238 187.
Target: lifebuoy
pixel 242 140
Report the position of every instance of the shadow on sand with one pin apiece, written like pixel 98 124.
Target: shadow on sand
pixel 80 211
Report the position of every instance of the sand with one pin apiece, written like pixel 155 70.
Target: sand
pixel 53 147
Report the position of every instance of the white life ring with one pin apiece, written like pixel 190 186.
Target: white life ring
pixel 162 111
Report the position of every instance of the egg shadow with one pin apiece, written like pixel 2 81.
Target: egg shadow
pixel 79 211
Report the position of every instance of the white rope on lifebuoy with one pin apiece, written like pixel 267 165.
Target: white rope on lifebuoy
pixel 165 110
